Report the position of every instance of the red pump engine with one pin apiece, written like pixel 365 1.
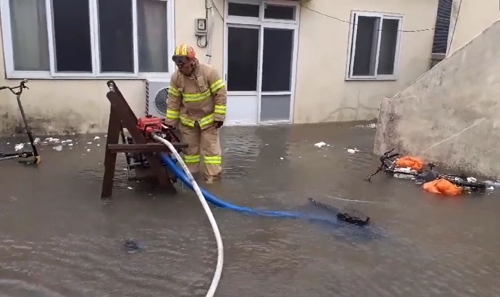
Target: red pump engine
pixel 149 125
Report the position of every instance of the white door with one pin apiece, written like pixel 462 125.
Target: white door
pixel 278 74
pixel 260 61
pixel 242 74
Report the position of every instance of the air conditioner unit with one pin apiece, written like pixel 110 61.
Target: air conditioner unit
pixel 156 97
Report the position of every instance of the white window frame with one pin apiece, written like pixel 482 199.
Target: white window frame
pixel 262 6
pixel 351 54
pixel 261 23
pixel 11 73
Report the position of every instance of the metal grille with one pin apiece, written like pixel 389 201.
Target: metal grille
pixel 440 45
pixel 161 101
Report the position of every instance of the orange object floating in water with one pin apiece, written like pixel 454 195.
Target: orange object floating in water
pixel 442 187
pixel 410 162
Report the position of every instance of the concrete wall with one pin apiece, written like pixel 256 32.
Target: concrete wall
pixel 322 94
pixel 452 113
pixel 469 18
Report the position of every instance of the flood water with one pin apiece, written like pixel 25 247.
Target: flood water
pixel 58 239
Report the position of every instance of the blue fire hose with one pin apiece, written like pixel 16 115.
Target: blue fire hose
pixel 185 176
pixel 172 166
pixel 211 198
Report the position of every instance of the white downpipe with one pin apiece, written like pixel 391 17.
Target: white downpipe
pixel 210 33
pixel 218 238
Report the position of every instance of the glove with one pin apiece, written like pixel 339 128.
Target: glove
pixel 218 124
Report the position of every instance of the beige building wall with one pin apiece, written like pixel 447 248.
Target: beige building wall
pixel 79 105
pixel 322 94
pixel 63 106
pixel 470 18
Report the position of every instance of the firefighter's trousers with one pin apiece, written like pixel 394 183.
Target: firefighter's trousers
pixel 202 143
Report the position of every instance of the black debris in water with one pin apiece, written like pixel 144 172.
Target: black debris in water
pixel 351 217
pixel 132 245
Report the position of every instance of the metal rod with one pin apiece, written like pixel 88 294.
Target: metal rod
pixel 26 127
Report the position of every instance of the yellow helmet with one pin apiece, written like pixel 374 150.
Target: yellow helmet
pixel 184 50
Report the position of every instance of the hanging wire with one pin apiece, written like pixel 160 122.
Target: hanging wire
pixel 348 22
pixel 334 18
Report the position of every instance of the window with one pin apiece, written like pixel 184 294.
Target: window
pixel 374 46
pixel 242 58
pixel 279 12
pixel 271 11
pixel 277 69
pixel 86 38
pixel 244 10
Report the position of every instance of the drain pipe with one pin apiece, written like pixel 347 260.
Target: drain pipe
pixel 210 31
pixel 218 238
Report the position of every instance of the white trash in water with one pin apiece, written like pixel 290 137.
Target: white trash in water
pixel 58 148
pixel 352 151
pixel 52 140
pixel 19 146
pixel 370 126
pixel 471 179
pixel 319 144
pixel 97 137
pixel 36 141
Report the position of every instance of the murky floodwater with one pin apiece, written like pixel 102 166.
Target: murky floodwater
pixel 58 239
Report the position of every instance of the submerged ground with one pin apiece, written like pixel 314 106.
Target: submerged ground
pixel 58 239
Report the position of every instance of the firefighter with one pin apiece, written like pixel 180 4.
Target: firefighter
pixel 197 104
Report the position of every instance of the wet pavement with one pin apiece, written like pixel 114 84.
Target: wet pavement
pixel 58 239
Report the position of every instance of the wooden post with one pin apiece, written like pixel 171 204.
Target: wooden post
pixel 114 128
pixel 121 115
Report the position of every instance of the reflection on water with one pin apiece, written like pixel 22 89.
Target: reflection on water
pixel 58 239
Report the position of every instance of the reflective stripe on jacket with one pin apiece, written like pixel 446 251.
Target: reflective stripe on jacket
pixel 200 97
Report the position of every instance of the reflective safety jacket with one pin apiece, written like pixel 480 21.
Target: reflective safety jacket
pixel 200 98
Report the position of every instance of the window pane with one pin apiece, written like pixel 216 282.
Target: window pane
pixel 246 10
pixel 388 45
pixel 72 35
pixel 277 60
pixel 366 46
pixel 153 36
pixel 275 107
pixel 29 35
pixel 116 36
pixel 279 12
pixel 242 57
